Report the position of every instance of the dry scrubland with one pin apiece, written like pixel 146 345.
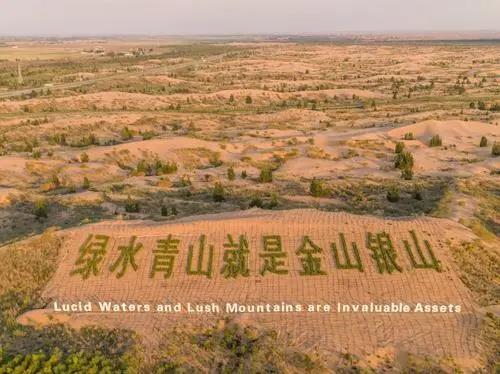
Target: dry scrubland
pixel 164 130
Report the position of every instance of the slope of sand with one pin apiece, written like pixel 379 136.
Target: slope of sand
pixel 427 333
pixel 451 131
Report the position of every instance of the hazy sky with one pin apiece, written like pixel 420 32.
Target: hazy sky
pixel 93 17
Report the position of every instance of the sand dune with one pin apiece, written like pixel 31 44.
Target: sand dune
pixel 452 333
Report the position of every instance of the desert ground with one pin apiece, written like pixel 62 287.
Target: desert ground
pixel 146 138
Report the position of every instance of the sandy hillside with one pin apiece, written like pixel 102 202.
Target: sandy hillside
pixel 429 333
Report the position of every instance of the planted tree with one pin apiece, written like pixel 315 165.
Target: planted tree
pixel 393 194
pixel 126 133
pixel 131 206
pixel 399 147
pixel 231 174
pixel 266 175
pixel 404 161
pixel 436 141
pixel 41 208
pixel 218 192
pixel 495 150
pixel 316 188
pixel 86 183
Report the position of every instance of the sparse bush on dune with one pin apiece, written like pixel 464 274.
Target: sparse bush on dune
pixel 409 136
pixel 495 149
pixel 231 174
pixel 393 194
pixel 317 188
pixel 84 157
pixel 131 206
pixel 435 141
pixel 86 183
pixel 218 192
pixel 399 147
pixel 404 161
pixel 41 208
pixel 126 133
pixel 266 175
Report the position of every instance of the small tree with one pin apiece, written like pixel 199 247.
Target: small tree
pixel 41 208
pixel 84 157
pixel 393 194
pixel 55 181
pixel 495 150
pixel 483 142
pixel 126 133
pixel 256 202
pixel 273 203
pixel 404 161
pixel 266 175
pixel 399 147
pixel 231 174
pixel 164 210
pixel 218 192
pixel 131 206
pixel 86 183
pixel 248 100
pixel 244 174
pixel 436 141
pixel 316 188
pixel 417 193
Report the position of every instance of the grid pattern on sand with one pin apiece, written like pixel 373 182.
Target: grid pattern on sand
pixel 422 333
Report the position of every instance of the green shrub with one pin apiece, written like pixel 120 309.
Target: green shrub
pixel 256 202
pixel 495 149
pixel 218 192
pixel 231 174
pixel 393 194
pixel 266 175
pixel 399 147
pixel 409 136
pixel 55 181
pixel 417 193
pixel 126 133
pixel 244 174
pixel 131 206
pixel 36 154
pixel 404 161
pixel 41 208
pixel 436 141
pixel 273 202
pixel 84 157
pixel 86 183
pixel 248 100
pixel 215 160
pixel 316 188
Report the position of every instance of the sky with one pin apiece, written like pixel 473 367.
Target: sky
pixel 195 17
